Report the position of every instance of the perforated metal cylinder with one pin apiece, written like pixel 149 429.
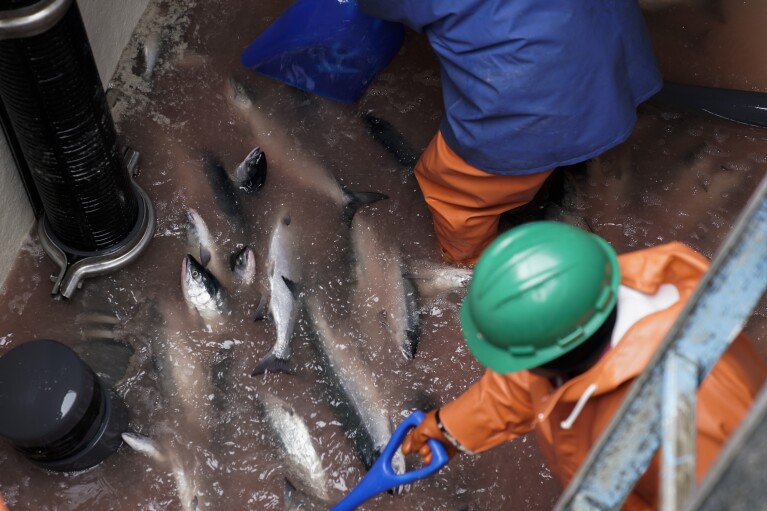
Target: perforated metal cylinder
pixel 55 101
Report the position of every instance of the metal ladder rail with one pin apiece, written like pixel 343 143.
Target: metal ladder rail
pixel 660 407
pixel 736 480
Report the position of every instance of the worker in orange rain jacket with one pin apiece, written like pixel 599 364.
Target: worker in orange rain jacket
pixel 563 327
pixel 527 86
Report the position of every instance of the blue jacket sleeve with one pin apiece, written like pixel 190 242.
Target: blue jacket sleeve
pixel 416 14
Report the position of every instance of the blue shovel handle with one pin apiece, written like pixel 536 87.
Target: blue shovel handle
pixel 381 476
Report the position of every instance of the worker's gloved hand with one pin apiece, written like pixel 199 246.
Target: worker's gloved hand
pixel 416 439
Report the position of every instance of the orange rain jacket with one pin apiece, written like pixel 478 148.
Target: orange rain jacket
pixel 502 407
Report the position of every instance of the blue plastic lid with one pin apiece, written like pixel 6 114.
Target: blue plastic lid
pixel 327 47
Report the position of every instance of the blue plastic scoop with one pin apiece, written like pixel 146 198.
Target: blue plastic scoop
pixel 381 477
pixel 328 47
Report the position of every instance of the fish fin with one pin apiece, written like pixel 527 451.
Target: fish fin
pixel 411 346
pixel 261 309
pixel 205 256
pixel 105 317
pixel 294 287
pixel 289 491
pixel 413 330
pixel 271 364
pixel 233 260
pixel 299 500
pixel 221 184
pixel 354 200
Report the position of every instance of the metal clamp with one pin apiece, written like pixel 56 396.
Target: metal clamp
pixel 32 20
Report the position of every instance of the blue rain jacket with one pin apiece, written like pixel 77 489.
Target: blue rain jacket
pixel 533 84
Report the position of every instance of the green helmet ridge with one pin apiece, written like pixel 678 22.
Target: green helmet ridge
pixel 538 291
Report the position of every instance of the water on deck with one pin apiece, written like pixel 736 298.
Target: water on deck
pixel 187 380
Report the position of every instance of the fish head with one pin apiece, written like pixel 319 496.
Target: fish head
pixel 251 173
pixel 193 221
pixel 198 236
pixel 244 264
pixel 199 284
pixel 239 95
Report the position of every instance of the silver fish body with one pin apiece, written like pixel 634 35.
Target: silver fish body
pixel 185 384
pixel 432 280
pixel 181 368
pixel 221 185
pixel 312 175
pixel 284 275
pixel 385 293
pixel 291 432
pixel 185 485
pixel 296 500
pixel 199 240
pixel 350 375
pixel 151 49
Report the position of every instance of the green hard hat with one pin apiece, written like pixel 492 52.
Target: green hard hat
pixel 538 291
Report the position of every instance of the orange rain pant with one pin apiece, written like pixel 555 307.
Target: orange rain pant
pixel 465 202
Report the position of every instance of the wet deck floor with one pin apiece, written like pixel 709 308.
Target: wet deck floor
pixel 679 177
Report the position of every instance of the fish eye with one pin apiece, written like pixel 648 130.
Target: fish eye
pixel 195 274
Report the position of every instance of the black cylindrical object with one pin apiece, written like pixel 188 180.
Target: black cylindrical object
pixel 21 163
pixel 55 410
pixel 54 98
pixel 745 107
pixel 15 4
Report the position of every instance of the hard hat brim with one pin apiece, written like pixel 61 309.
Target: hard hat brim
pixel 489 355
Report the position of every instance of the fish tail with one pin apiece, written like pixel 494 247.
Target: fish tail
pixel 289 491
pixel 354 200
pixel 399 465
pixel 272 364
pixel 410 346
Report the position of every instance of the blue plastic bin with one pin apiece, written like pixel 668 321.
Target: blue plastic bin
pixel 327 47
